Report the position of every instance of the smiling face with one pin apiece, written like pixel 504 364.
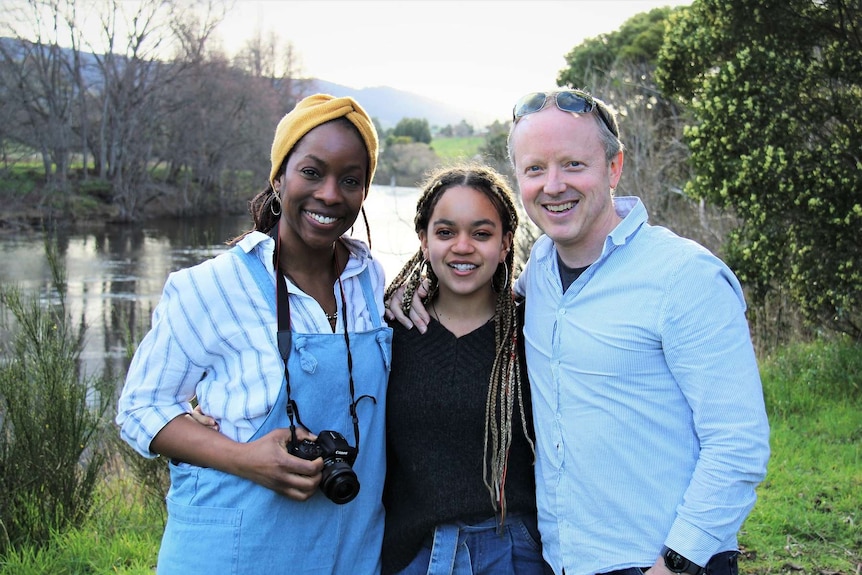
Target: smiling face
pixel 322 188
pixel 565 181
pixel 465 242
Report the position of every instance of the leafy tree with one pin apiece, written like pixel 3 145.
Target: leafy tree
pixel 619 68
pixel 463 130
pixel 416 129
pixel 494 150
pixel 636 42
pixel 404 162
pixel 775 89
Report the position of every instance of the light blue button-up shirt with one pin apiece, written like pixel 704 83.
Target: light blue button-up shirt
pixel 648 407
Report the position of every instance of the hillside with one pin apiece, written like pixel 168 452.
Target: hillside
pixel 389 105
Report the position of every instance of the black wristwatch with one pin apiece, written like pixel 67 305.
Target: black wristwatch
pixel 679 564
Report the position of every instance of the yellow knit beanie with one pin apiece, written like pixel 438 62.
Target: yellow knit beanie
pixel 313 111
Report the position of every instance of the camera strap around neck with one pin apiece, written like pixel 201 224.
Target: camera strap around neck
pixel 283 336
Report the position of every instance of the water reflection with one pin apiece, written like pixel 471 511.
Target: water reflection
pixel 115 274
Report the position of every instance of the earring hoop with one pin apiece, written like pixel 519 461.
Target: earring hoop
pixel 505 278
pixel 275 200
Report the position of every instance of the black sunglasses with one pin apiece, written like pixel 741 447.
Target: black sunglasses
pixel 567 101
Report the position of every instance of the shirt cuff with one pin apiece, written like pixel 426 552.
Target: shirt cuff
pixel 692 542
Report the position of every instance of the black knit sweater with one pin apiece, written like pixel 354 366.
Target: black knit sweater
pixel 435 425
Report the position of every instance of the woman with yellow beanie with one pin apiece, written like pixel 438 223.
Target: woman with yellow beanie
pixel 282 341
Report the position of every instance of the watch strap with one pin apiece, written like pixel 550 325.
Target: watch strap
pixel 677 563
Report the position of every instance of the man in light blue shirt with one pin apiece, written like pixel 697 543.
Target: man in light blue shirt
pixel 651 432
pixel 650 423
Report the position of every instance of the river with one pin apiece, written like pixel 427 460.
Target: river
pixel 115 273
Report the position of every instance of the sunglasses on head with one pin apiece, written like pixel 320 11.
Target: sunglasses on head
pixel 566 100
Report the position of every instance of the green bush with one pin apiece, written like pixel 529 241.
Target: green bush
pixel 51 420
pixel 801 377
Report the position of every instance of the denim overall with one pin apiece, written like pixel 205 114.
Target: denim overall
pixel 220 523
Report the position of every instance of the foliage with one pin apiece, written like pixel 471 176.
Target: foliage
pixel 495 148
pixel 404 163
pixel 804 377
pixel 178 128
pixel 460 130
pixel 775 88
pixel 51 420
pixel 417 129
pixel 151 475
pixel 636 42
pixel 618 67
pixel 120 536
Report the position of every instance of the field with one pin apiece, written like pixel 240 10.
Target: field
pixel 453 149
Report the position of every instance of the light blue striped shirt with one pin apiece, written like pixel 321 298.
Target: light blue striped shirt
pixel 213 336
pixel 647 401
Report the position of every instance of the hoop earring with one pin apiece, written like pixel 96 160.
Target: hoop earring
pixel 275 200
pixel 433 282
pixel 505 278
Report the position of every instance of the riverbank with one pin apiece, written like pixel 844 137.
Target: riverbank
pixel 28 207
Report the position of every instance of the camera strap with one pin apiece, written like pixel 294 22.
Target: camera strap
pixel 283 336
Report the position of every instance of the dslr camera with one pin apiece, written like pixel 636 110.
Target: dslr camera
pixel 339 482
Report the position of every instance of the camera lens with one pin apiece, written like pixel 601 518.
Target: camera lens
pixel 339 483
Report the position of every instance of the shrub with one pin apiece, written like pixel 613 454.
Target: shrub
pixel 51 419
pixel 802 377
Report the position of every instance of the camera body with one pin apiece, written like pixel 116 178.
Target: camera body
pixel 338 482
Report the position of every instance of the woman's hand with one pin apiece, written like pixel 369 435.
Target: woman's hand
pixel 265 461
pixel 418 316
pixel 205 420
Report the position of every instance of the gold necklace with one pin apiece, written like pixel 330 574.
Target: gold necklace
pixel 331 317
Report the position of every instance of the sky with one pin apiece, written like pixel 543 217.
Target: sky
pixel 479 54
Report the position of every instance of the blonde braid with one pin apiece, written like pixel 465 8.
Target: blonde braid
pixel 504 392
pixel 409 277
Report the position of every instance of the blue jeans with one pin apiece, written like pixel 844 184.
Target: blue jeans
pixel 478 549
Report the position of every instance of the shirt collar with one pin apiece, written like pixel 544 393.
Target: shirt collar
pixel 633 213
pixel 359 252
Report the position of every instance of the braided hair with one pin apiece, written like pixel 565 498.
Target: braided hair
pixel 505 384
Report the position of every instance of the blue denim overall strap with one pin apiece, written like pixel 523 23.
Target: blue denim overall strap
pixel 258 271
pixel 220 523
pixel 485 547
pixel 444 550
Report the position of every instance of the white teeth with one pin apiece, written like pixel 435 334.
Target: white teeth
pixel 322 219
pixel 463 267
pixel 561 207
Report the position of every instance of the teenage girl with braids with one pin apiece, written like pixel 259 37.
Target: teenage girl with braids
pixel 460 493
pixel 239 501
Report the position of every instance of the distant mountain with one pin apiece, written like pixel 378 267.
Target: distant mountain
pixel 389 105
pixel 386 104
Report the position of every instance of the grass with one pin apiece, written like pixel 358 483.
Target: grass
pixel 806 520
pixel 121 536
pixel 807 517
pixel 457 149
